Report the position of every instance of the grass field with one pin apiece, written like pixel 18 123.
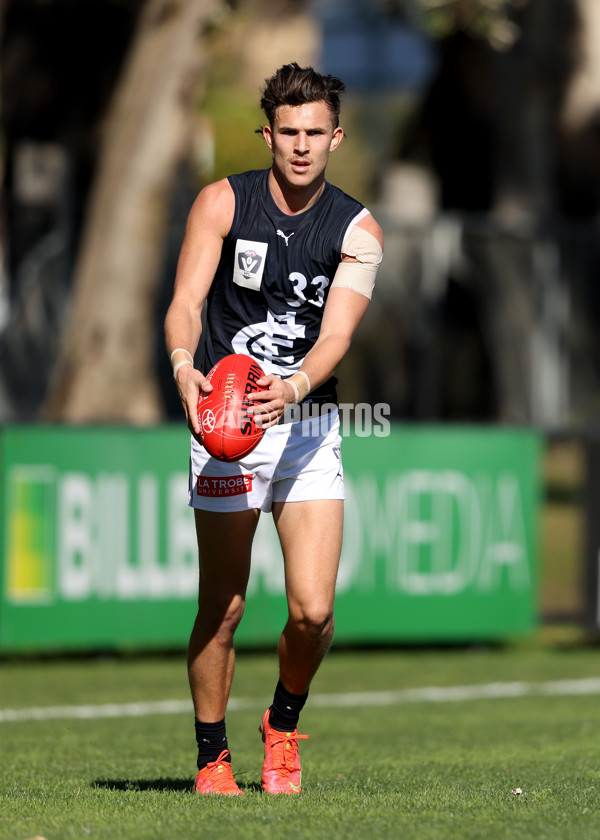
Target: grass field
pixel 408 768
pixel 423 766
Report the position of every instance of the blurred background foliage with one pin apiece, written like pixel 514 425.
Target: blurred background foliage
pixel 489 20
pixel 455 137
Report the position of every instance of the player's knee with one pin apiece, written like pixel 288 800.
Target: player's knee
pixel 314 621
pixel 223 614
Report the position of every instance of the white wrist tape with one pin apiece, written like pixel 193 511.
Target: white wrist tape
pixel 305 375
pixel 181 350
pixel 295 390
pixel 301 390
pixel 180 364
pixel 188 361
pixel 360 275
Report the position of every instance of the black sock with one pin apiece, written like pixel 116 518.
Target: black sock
pixel 212 740
pixel 286 709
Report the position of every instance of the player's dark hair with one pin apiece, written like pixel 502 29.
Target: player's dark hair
pixel 295 85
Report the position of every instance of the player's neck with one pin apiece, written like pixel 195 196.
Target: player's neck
pixel 293 199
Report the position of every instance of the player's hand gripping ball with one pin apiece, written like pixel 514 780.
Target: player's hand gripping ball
pixel 227 431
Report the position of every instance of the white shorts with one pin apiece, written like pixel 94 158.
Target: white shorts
pixel 293 462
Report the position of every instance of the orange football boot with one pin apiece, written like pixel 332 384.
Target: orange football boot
pixel 281 771
pixel 217 777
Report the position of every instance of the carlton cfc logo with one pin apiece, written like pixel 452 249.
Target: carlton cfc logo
pixel 249 262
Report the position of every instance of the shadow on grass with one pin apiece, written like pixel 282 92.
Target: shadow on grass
pixel 160 784
pixel 144 784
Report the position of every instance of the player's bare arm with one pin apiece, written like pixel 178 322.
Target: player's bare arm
pixel 207 226
pixel 343 313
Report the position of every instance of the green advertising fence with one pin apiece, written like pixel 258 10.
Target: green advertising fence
pixel 98 548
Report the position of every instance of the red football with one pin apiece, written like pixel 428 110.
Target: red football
pixel 227 431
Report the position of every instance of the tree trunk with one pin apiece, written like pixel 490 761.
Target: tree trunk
pixel 106 372
pixel 583 99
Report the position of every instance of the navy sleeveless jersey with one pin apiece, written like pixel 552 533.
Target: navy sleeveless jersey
pixel 274 275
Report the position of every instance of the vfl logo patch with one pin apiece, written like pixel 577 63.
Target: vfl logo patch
pixel 249 263
pixel 227 485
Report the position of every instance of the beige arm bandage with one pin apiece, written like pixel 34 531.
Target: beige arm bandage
pixel 359 276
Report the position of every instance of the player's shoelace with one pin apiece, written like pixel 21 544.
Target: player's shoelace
pixel 284 749
pixel 217 777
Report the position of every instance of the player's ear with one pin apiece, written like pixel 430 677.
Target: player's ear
pixel 267 133
pixel 338 134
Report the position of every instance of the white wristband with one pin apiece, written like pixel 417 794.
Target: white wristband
pixel 295 389
pixel 305 375
pixel 178 365
pixel 181 350
pixel 301 391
